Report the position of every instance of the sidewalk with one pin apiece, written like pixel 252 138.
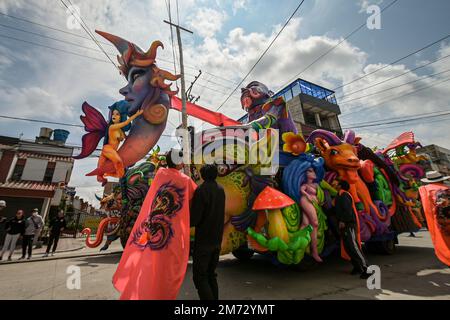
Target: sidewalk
pixel 67 248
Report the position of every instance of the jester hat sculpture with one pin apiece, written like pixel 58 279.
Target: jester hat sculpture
pixel 146 90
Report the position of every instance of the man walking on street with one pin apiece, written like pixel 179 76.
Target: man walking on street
pixel 207 216
pixel 15 228
pixel 57 225
pixel 32 224
pixel 348 226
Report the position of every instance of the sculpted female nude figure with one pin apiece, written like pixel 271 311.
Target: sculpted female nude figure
pixel 115 136
pixel 307 201
pixel 301 180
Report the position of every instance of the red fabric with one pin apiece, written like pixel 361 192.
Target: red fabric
pixel 404 138
pixel 153 265
pixel 215 118
pixel 344 253
pixel 441 241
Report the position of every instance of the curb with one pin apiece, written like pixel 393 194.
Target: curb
pixel 95 254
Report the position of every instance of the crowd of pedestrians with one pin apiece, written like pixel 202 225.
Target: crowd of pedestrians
pixel 28 230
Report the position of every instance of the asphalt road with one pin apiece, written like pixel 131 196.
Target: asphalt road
pixel 413 272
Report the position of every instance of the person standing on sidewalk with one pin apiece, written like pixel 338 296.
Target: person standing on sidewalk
pixel 40 222
pixel 32 224
pixel 207 216
pixel 15 228
pixel 57 225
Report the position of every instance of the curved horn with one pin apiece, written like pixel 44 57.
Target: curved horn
pixel 151 52
pixel 120 43
pixel 349 136
pixel 330 137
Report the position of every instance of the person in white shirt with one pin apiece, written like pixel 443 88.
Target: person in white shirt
pixel 37 218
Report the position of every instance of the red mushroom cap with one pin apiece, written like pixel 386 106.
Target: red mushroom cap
pixel 271 198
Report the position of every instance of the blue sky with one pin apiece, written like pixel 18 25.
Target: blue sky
pixel 228 38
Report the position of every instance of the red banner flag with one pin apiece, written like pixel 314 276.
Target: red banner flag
pixel 154 262
pixel 212 117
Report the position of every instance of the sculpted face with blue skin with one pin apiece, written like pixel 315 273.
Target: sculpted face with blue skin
pixel 137 88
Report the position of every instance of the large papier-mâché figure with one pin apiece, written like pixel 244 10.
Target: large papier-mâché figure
pixel 146 90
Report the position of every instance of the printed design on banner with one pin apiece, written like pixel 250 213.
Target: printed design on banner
pixel 156 230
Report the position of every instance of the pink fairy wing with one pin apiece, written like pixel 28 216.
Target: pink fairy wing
pixel 96 127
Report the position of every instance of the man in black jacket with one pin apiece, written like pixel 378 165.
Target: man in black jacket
pixel 207 216
pixel 15 228
pixel 57 225
pixel 346 215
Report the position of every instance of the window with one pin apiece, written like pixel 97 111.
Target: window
pixel 18 170
pixel 288 95
pixel 310 118
pixel 296 90
pixel 48 176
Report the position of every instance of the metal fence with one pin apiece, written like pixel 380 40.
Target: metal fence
pixel 77 220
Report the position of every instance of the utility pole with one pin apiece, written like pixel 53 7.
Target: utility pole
pixel 186 144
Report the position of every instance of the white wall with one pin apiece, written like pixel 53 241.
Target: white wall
pixel 56 200
pixel 45 208
pixel 61 169
pixel 34 169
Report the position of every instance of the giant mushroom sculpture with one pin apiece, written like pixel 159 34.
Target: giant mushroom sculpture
pixel 289 242
pixel 270 202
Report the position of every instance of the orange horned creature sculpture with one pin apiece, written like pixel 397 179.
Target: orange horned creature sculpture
pixel 341 157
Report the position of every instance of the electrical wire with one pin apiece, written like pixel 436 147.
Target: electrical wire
pixel 394 62
pixel 364 24
pixel 395 87
pixel 392 78
pixel 262 55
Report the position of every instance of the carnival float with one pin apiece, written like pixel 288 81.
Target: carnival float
pixel 284 211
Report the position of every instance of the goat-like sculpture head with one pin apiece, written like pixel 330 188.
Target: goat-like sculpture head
pixel 339 155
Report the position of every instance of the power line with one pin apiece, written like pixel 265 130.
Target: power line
pixel 392 78
pixel 53 122
pixel 335 46
pixel 53 48
pixel 48 27
pixel 395 97
pixel 48 37
pixel 90 57
pixel 193 67
pixel 262 55
pixel 394 87
pixel 389 121
pixel 394 62
pixel 401 125
pixel 88 31
pixel 402 117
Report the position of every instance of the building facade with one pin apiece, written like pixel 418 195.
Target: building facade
pixel 34 174
pixel 439 157
pixel 311 107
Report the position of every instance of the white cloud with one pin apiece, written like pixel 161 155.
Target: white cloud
pixel 240 4
pixel 206 22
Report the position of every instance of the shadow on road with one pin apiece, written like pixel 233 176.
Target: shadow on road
pixel 410 273
pixel 96 261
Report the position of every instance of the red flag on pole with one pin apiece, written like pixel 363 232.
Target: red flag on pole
pixel 154 262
